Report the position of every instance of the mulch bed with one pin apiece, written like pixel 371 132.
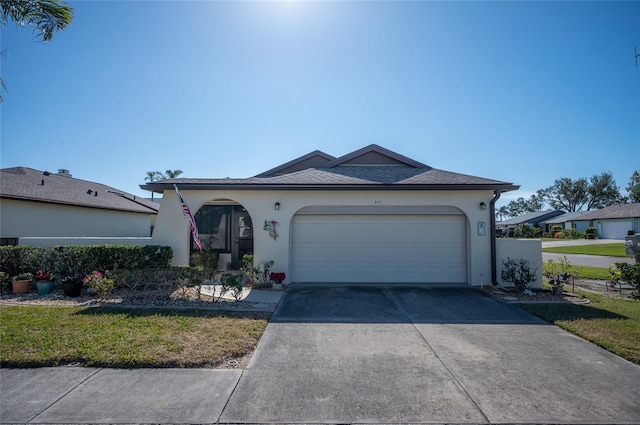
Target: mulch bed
pixel 181 298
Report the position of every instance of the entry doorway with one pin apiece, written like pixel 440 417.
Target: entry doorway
pixel 226 229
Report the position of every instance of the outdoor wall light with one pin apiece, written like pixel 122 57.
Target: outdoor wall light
pixel 277 206
pixel 483 206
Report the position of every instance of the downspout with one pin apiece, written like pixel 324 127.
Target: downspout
pixel 492 226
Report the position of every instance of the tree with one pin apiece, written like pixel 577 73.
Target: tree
pixel 634 186
pixel 47 16
pixel 502 213
pixel 603 191
pixel 153 176
pixel 157 175
pixel 521 205
pixel 169 174
pixel 574 195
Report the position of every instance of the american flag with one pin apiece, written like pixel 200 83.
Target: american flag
pixel 192 221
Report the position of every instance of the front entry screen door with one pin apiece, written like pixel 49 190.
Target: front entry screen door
pixel 225 229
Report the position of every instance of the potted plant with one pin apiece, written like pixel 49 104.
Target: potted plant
pixel 20 284
pixel 44 284
pixel 277 278
pixel 71 286
pixel 99 284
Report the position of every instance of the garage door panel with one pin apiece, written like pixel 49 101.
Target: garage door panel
pixel 379 248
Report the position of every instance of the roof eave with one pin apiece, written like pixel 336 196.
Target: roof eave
pixel 270 186
pixel 72 204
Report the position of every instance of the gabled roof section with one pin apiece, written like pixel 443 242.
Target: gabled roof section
pixel 374 155
pixel 38 186
pixel 372 167
pixel 310 160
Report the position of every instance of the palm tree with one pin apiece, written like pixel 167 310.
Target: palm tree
pixel 47 16
pixel 172 174
pixel 153 176
pixel 502 212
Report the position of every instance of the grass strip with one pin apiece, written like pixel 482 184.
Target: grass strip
pixel 37 336
pixel 608 249
pixel 588 272
pixel 612 323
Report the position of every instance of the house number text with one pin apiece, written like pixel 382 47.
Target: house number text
pixel 377 202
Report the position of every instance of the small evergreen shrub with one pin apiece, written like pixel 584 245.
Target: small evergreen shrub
pixel 518 272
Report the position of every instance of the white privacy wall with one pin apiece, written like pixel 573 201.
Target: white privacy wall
pixel 529 249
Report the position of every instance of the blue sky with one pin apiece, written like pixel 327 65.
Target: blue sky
pixel 516 91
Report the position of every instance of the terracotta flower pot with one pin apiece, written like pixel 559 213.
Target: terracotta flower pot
pixel 20 286
pixel 44 286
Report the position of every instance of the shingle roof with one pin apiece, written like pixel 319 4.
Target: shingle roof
pixel 33 185
pixel 369 167
pixel 614 211
pixel 530 217
pixel 569 216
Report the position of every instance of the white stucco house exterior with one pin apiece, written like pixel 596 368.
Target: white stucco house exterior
pixel 369 216
pixel 44 209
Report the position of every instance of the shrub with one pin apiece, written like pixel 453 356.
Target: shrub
pixel 555 228
pixel 257 275
pixel 572 234
pixel 591 233
pixel 518 272
pixel 207 260
pixel 100 283
pixel 164 280
pixel 630 273
pixel 233 283
pixel 536 232
pixel 5 282
pixel 78 261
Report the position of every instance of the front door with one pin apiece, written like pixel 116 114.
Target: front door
pixel 242 236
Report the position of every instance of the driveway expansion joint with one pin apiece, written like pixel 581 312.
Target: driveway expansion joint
pixel 449 371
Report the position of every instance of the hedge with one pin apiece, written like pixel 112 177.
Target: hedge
pixel 81 260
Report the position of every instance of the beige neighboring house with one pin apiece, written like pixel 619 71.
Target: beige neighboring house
pixel 370 216
pixel 616 221
pixel 39 204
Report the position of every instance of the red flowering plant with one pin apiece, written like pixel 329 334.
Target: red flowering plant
pixel 277 277
pixel 43 275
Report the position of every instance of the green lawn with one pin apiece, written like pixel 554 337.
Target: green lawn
pixel 36 336
pixel 588 272
pixel 612 323
pixel 609 249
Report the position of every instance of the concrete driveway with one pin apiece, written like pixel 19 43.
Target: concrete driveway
pixel 358 354
pixel 388 354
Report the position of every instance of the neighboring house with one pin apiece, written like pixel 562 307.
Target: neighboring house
pixel 533 219
pixel 616 221
pixel 370 216
pixel 41 204
pixel 569 220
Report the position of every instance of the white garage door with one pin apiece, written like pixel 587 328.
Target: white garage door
pixel 379 248
pixel 614 229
